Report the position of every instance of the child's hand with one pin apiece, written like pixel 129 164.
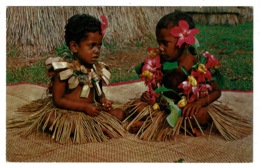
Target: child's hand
pixel 92 110
pixel 190 109
pixel 107 104
pixel 145 96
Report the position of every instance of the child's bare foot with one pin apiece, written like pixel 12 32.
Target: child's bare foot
pixel 141 105
pixel 136 126
pixel 107 133
pixel 196 132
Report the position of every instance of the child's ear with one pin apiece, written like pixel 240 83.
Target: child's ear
pixel 73 46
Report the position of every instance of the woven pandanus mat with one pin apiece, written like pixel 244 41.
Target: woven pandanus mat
pixel 210 149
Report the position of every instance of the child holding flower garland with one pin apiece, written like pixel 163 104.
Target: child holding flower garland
pixel 77 109
pixel 181 89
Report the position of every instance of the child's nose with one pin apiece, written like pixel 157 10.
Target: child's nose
pixel 161 48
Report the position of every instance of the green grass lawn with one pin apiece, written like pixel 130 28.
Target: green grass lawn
pixel 232 45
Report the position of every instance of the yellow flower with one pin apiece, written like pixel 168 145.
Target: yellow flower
pixel 182 102
pixel 153 52
pixel 202 68
pixel 156 106
pixel 147 74
pixel 192 81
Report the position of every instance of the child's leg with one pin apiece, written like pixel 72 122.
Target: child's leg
pixel 134 128
pixel 118 113
pixel 202 118
pixel 52 118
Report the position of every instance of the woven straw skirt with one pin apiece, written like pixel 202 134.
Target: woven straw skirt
pixel 67 126
pixel 156 128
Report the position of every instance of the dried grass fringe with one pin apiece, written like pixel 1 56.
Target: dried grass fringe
pixel 231 125
pixel 87 129
pixel 155 126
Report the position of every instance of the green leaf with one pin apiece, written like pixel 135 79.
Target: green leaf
pixel 202 59
pixel 172 117
pixel 193 49
pixel 138 68
pixel 197 44
pixel 195 66
pixel 172 104
pixel 184 70
pixel 168 66
pixel 180 160
pixel 164 89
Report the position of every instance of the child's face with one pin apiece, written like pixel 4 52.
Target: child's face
pixel 167 45
pixel 88 50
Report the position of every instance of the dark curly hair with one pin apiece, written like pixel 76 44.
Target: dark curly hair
pixel 172 19
pixel 78 26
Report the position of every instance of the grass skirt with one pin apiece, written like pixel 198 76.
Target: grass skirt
pixel 155 127
pixel 35 116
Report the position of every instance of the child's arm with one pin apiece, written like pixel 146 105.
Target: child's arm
pixel 193 108
pixel 107 104
pixel 62 102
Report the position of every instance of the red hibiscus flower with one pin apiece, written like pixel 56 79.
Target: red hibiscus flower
pixel 200 76
pixel 212 60
pixel 183 33
pixel 204 90
pixel 191 92
pixel 104 24
pixel 152 51
pixel 186 86
pixel 194 95
pixel 152 63
pixel 153 95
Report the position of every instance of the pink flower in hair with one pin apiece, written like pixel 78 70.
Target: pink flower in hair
pixel 184 34
pixel 104 24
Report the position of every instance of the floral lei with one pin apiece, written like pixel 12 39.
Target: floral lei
pixel 194 87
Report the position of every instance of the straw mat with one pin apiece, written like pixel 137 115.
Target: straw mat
pixel 39 148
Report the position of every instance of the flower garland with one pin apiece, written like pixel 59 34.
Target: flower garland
pixel 194 87
pixel 152 74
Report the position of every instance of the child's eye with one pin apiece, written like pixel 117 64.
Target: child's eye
pixel 92 45
pixel 165 43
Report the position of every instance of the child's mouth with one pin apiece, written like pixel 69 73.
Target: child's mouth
pixel 95 58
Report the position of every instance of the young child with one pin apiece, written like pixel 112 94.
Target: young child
pixel 77 108
pixel 181 89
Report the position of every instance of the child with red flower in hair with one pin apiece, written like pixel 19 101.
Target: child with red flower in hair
pixel 76 109
pixel 181 88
